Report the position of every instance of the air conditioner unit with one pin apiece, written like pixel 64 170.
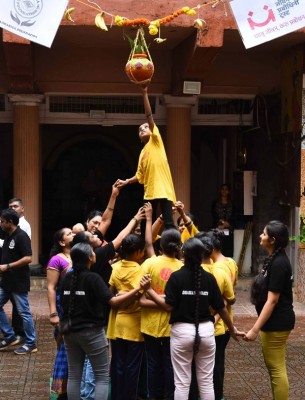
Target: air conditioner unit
pixel 191 87
pixel 97 114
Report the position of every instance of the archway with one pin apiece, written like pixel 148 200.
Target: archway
pixel 80 179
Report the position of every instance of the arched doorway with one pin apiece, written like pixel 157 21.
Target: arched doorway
pixel 79 179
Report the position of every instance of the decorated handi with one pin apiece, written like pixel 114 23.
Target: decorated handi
pixel 139 67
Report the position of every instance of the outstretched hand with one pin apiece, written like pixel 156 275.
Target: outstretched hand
pixel 120 183
pixel 236 333
pixel 115 188
pixel 144 86
pixel 148 210
pixel 250 336
pixel 140 214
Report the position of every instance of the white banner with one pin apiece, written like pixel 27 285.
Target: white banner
pixel 262 20
pixel 36 20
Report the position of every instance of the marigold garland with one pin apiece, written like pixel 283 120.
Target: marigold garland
pixel 153 26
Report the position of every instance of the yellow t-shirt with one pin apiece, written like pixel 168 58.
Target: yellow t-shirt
pixel 226 289
pixel 155 322
pixel 153 170
pixel 233 270
pixel 112 314
pixel 229 269
pixel 127 321
pixel 185 235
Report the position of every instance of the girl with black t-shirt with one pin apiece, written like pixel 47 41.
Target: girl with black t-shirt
pixel 189 294
pixel 272 296
pixel 84 297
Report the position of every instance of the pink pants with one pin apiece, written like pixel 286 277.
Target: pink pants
pixel 181 342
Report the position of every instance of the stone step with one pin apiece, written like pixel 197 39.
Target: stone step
pixel 40 282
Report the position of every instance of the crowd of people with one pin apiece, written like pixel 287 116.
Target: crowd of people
pixel 149 313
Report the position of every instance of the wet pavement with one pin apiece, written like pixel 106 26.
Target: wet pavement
pixel 27 377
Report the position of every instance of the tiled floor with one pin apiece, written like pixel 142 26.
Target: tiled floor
pixel 27 377
pixel 246 377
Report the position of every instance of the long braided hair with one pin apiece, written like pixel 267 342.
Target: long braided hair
pixel 277 231
pixel 80 255
pixel 193 251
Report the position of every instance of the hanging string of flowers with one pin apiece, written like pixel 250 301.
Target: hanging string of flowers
pixel 153 26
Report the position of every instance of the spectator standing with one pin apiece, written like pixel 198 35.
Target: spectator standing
pixel 17 205
pixel 58 266
pixel 15 283
pixel 272 296
pixel 223 214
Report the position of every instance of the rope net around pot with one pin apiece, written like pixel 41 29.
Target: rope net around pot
pixel 139 67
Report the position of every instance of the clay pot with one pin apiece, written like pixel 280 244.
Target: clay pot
pixel 139 69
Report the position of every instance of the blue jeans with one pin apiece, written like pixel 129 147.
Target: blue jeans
pixel 23 308
pixel 93 343
pixel 88 382
pixel 160 374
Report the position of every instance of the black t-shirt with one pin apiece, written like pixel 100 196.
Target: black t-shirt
pixel 279 280
pixel 102 267
pixel 180 294
pixel 15 247
pixel 92 296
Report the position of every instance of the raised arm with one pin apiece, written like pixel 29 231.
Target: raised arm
pixel 147 106
pixel 186 219
pixel 127 230
pixel 157 226
pixel 108 213
pixel 148 230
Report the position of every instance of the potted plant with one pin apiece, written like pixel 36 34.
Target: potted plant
pixel 139 67
pixel 301 236
pixel 300 272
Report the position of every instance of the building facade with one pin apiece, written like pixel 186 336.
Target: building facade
pixel 69 117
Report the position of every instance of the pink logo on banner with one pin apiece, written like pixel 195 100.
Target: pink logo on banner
pixel 270 17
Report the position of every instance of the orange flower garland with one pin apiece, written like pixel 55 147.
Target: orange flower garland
pixel 153 26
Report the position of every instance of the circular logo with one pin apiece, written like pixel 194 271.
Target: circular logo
pixel 28 8
pixel 165 273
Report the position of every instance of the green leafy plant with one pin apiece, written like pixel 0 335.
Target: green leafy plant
pixel 137 47
pixel 301 237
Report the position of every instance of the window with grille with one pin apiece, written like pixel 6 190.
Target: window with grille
pixel 108 104
pixel 225 106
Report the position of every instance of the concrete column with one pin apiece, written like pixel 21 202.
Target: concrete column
pixel 27 161
pixel 178 144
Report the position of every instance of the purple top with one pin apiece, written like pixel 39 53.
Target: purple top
pixel 58 263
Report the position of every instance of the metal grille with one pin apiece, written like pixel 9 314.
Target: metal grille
pixel 109 104
pixel 2 102
pixel 225 106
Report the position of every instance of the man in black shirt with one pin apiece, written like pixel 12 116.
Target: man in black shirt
pixel 15 283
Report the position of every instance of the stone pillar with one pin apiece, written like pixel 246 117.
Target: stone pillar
pixel 178 144
pixel 27 161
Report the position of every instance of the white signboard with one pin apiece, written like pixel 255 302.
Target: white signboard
pixel 262 20
pixel 36 20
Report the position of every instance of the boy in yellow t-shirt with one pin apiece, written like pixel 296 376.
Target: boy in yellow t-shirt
pixel 153 168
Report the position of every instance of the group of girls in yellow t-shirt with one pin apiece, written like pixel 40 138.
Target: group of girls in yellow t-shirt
pixel 140 332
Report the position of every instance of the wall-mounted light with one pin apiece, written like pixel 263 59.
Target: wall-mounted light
pixel 97 114
pixel 191 87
